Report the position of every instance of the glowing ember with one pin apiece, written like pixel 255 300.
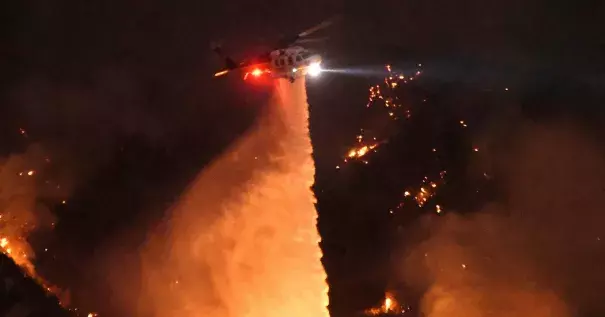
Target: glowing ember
pixel 426 191
pixel 385 96
pixel 361 151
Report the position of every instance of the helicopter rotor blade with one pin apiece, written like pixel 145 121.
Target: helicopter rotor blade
pixel 292 39
pixel 310 40
pixel 318 27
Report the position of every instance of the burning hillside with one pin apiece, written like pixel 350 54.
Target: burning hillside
pixel 24 297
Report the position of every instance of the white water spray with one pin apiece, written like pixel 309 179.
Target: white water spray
pixel 243 241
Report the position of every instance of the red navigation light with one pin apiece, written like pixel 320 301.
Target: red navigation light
pixel 257 72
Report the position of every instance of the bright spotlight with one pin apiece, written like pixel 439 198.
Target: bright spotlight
pixel 314 69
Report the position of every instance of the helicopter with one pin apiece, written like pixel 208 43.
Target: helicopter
pixel 289 60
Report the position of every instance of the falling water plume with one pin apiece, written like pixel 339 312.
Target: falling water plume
pixel 242 241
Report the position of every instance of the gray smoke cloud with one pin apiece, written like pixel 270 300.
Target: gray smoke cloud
pixel 538 252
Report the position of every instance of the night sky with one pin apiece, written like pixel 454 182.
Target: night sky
pixel 120 96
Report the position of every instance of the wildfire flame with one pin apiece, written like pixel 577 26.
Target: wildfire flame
pixel 16 250
pixel 360 151
pixel 385 96
pixel 18 216
pixel 389 306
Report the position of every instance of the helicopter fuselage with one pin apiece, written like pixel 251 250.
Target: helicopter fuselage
pixel 294 62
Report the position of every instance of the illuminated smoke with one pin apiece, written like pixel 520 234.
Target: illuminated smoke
pixel 242 241
pixel 538 252
pixel 22 188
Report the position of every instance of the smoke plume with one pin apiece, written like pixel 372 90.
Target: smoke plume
pixel 536 253
pixel 242 241
pixel 24 192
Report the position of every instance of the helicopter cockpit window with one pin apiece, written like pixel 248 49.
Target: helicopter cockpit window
pixel 290 61
pixel 299 58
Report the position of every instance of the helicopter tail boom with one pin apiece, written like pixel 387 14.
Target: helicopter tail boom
pixel 229 62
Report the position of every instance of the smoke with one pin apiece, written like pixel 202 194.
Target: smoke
pixel 242 241
pixel 536 253
pixel 83 122
pixel 75 130
pixel 90 128
pixel 24 194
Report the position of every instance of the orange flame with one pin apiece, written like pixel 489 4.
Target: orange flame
pixel 389 305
